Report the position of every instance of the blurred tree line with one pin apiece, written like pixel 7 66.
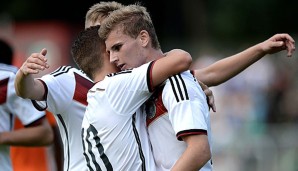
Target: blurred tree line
pixel 182 22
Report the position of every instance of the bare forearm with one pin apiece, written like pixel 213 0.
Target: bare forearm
pixel 33 136
pixel 187 162
pixel 27 87
pixel 195 156
pixel 227 68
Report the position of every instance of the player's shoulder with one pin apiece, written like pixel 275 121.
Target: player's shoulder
pixel 181 77
pixel 9 69
pixel 68 71
pixel 62 70
pixel 146 66
pixel 119 73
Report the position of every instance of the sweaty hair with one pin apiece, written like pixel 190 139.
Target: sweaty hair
pixel 87 51
pixel 100 11
pixel 6 53
pixel 132 19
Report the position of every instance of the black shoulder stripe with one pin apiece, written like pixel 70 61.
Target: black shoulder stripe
pixel 121 72
pixel 173 88
pixel 179 88
pixel 61 70
pixel 149 77
pixel 184 86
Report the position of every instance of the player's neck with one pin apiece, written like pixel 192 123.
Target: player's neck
pixel 100 75
pixel 154 55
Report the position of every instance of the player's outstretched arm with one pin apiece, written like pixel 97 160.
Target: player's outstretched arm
pixel 227 68
pixel 172 63
pixel 40 134
pixel 25 84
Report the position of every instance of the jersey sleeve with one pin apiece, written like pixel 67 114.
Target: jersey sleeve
pixel 186 104
pixel 60 87
pixel 130 89
pixel 22 108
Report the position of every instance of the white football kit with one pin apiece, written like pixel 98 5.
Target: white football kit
pixel 180 108
pixel 66 97
pixel 12 105
pixel 114 134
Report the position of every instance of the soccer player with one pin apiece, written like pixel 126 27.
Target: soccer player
pixel 175 113
pixel 114 134
pixel 63 93
pixel 37 131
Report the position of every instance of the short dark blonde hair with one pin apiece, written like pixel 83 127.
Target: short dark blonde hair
pixel 132 19
pixel 100 11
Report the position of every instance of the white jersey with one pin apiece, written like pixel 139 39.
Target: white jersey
pixel 12 105
pixel 66 97
pixel 114 135
pixel 180 108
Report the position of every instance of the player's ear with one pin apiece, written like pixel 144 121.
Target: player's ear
pixel 144 38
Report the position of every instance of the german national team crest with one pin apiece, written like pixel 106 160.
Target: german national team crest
pixel 150 109
pixel 154 107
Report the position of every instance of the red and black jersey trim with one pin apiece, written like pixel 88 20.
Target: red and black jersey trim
pixel 3 90
pixel 179 88
pixel 180 134
pixel 149 77
pixel 82 87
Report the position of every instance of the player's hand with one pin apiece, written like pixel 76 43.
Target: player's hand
pixel 278 43
pixel 209 96
pixel 35 63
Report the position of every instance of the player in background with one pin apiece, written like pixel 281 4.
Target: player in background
pixel 37 131
pixel 47 158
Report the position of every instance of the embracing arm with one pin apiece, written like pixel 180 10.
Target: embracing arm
pixel 227 68
pixel 35 135
pixel 174 62
pixel 25 84
pixel 196 155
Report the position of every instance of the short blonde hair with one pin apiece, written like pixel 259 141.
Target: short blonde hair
pixel 100 11
pixel 132 19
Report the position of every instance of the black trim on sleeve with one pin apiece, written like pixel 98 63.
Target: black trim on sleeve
pixel 45 95
pixel 180 134
pixel 149 77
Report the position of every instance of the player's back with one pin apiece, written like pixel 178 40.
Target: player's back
pixel 111 128
pixel 67 89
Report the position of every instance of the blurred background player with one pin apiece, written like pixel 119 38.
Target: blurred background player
pixel 49 158
pixel 37 131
